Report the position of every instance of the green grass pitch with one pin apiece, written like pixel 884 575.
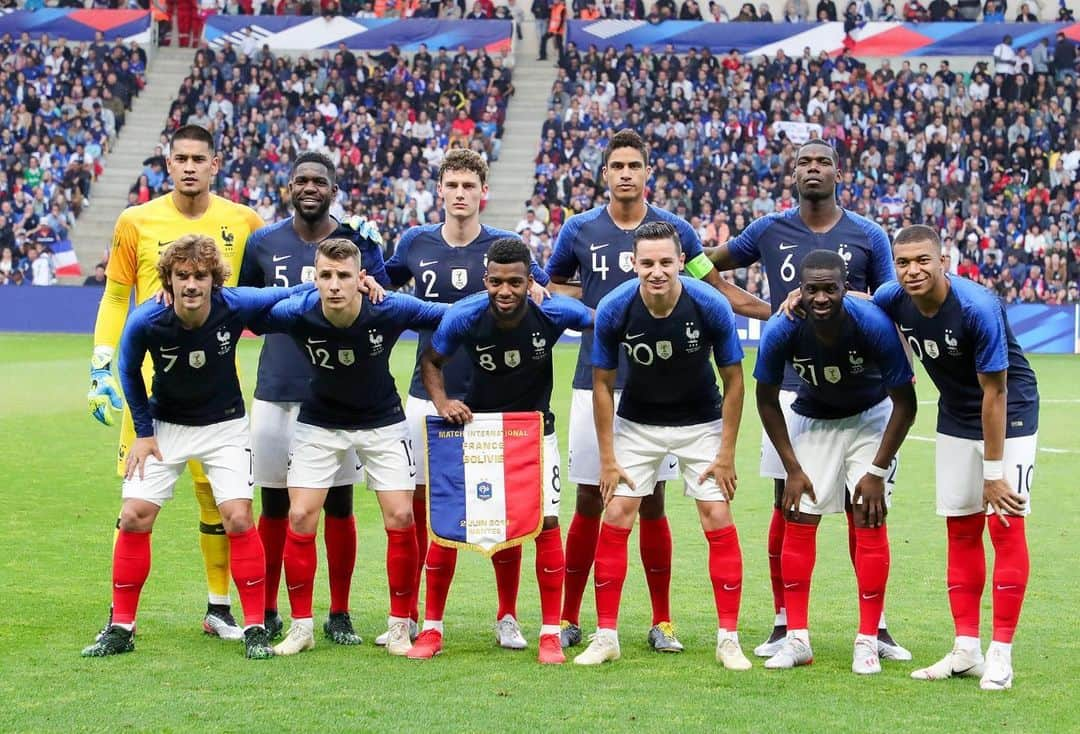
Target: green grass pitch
pixel 61 496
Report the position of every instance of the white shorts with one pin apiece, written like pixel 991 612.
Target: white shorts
pixel 959 472
pixel 318 454
pixel 223 448
pixel 272 426
pixel 771 466
pixel 642 451
pixel 552 480
pixel 835 454
pixel 416 412
pixel 584 451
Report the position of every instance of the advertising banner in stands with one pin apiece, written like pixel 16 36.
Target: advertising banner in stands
pixel 300 33
pixel 1040 329
pixel 873 39
pixel 78 25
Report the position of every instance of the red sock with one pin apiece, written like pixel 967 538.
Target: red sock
pixel 401 569
pixel 550 566
pixel 507 564
pixel 248 565
pixel 441 563
pixel 272 533
pixel 580 552
pixel 799 555
pixel 966 573
pixel 339 535
pixel 1011 568
pixel 852 542
pixel 726 573
pixel 419 507
pixel 131 566
pixel 610 574
pixel 300 561
pixel 872 573
pixel 655 540
pixel 776 547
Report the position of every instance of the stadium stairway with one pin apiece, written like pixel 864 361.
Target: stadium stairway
pixel 92 232
pixel 512 175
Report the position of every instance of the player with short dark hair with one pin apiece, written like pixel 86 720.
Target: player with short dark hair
pixel 447 263
pixel 196 413
pixel 987 435
pixel 353 405
pixel 853 410
pixel 597 247
pixel 140 236
pixel 283 254
pixel 668 327
pixel 780 241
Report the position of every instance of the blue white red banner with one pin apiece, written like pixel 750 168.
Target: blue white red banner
pixel 78 25
pixel 485 487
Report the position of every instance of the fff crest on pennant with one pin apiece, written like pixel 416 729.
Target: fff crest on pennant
pixel 483 491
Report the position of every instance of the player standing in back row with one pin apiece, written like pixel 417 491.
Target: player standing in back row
pixel 781 241
pixel 598 245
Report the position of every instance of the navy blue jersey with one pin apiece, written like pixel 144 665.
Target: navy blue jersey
pixel 781 241
pixel 969 334
pixel 351 386
pixel 276 255
pixel 600 252
pixel 669 379
pixel 837 380
pixel 445 274
pixel 195 382
pixel 512 367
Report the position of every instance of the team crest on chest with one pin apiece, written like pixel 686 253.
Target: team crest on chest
pixel 224 341
pixel 663 349
pixel 832 373
pixel 844 252
pixel 952 344
pixel 856 362
pixel 931 348
pixel 227 239
pixel 197 358
pixel 459 278
pixel 626 261
pixel 539 345
pixel 346 356
pixel 692 336
pixel 512 358
pixel 375 339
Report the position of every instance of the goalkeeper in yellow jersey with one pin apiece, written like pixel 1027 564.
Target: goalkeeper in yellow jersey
pixel 141 234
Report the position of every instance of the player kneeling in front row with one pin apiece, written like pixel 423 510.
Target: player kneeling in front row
pixel 196 412
pixel 852 411
pixel 668 326
pixel 353 405
pixel 509 340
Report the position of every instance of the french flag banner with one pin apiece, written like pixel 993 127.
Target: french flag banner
pixel 485 486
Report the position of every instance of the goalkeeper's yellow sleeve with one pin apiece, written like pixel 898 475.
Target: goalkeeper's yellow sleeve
pixel 112 313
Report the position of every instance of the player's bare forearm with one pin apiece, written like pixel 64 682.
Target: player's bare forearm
pixel 604 413
pixel 431 364
pixel 772 419
pixel 720 256
pixel 742 302
pixel 994 407
pixel 731 413
pixel 559 285
pixel 903 416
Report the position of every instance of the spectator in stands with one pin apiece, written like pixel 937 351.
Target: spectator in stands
pixel 1025 15
pixel 826 11
pixel 96 280
pixel 1064 57
pixel 795 11
pixel 747 13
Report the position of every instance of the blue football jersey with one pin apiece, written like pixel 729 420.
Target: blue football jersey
pixel 669 381
pixel 512 368
pixel 275 255
pixel 837 380
pixel 600 252
pixel 969 334
pixel 351 387
pixel 195 381
pixel 444 274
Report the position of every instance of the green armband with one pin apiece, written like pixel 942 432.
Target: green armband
pixel 700 266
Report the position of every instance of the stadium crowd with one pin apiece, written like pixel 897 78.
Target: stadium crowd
pixel 61 105
pixel 991 158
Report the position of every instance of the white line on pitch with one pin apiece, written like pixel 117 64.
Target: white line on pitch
pixel 1041 400
pixel 1041 448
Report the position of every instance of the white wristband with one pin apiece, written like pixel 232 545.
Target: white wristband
pixel 993 470
pixel 876 471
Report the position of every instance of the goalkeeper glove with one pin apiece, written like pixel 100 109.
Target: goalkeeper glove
pixel 104 396
pixel 365 228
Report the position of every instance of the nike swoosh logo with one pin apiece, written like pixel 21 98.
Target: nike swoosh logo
pixel 484 349
pixel 790 586
pixel 552 570
pixel 124 586
pixel 868 597
pixel 316 341
pixel 672 465
pixel 634 336
pixel 401 593
pixel 594 248
pixel 254 583
pixel 279 258
pixel 907 328
pixel 601 584
pixel 297 586
pixel 169 349
pixel 424 264
pixel 954 587
pixel 1005 588
pixel 728 587
pixel 411 474
pixel 788 246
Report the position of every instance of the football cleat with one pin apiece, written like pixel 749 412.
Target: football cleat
pixel 508 634
pixel 220 622
pixel 339 630
pixel 772 645
pixel 108 624
pixel 301 637
pixel 959 663
pixel 793 653
pixel 273 623
pixel 398 641
pixel 257 643
pixel 569 634
pixel 662 638
pixel 428 644
pixel 865 660
pixel 113 641
pixel 890 649
pixel 551 650
pixel 998 675
pixel 603 646
pixel 729 653
pixel 414 632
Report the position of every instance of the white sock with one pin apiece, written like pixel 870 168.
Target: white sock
pixel 781 618
pixel 219 599
pixel 127 627
pixel 969 644
pixel 881 621
pixel 391 621
pixel 869 639
pixel 433 624
pixel 803 635
pixel 1004 647
pixel 549 629
pixel 723 634
pixel 304 622
pixel 607 631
